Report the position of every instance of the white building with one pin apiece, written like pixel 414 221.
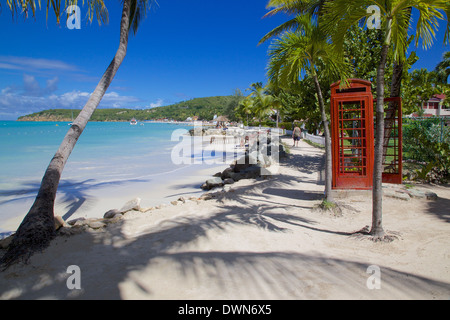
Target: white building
pixel 435 107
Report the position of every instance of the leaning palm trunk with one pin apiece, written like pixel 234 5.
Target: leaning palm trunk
pixel 328 156
pixel 38 227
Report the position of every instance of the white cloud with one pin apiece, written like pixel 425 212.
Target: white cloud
pixel 14 103
pixel 159 103
pixel 31 86
pixel 34 64
pixel 39 89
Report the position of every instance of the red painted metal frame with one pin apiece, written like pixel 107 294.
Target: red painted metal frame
pixel 352 114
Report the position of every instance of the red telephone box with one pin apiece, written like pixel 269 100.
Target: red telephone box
pixel 352 130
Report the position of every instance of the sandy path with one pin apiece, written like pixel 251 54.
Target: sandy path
pixel 260 241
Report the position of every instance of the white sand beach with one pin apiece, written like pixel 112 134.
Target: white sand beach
pixel 260 240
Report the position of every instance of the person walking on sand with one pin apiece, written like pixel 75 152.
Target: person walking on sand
pixel 296 135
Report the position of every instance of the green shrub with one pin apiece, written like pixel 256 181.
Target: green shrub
pixel 428 141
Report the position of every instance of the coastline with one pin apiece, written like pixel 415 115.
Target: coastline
pixel 156 189
pixel 88 190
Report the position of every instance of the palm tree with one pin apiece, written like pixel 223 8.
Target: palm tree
pixel 37 229
pixel 307 51
pixel 443 68
pixel 263 105
pixel 256 93
pixel 246 106
pixel 340 15
pixel 278 106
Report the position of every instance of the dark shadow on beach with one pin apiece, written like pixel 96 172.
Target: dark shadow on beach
pixel 440 207
pixel 309 161
pixel 113 256
pixel 71 193
pixel 294 194
pixel 109 258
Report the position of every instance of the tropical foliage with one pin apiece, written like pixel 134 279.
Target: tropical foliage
pixel 340 23
pixel 308 51
pixel 427 142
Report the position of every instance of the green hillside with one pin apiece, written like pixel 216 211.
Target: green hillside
pixel 203 108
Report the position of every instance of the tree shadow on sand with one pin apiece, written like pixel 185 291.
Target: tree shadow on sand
pixel 310 161
pixel 439 207
pixel 163 261
pixel 72 194
pixel 160 261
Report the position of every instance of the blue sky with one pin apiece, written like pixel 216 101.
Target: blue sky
pixel 183 50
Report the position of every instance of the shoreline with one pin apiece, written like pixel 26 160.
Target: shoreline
pixel 82 195
pixel 153 190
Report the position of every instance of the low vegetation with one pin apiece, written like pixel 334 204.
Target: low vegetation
pixel 203 108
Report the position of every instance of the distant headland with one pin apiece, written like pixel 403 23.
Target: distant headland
pixel 201 108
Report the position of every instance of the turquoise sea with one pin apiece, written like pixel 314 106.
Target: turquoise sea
pixel 105 151
pixel 107 154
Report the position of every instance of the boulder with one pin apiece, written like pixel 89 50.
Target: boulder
pixel 228 181
pixel 207 196
pixel 431 195
pixel 245 161
pixel 95 224
pixel 214 182
pixel 111 214
pixel 227 173
pixel 75 221
pixel 115 219
pixel 134 204
pixel 59 222
pixel 252 172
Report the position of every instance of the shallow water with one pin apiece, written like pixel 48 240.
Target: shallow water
pixel 112 160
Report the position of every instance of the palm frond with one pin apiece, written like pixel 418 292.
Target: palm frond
pixel 290 25
pixel 427 24
pixel 305 51
pixel 339 15
pixel 291 7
